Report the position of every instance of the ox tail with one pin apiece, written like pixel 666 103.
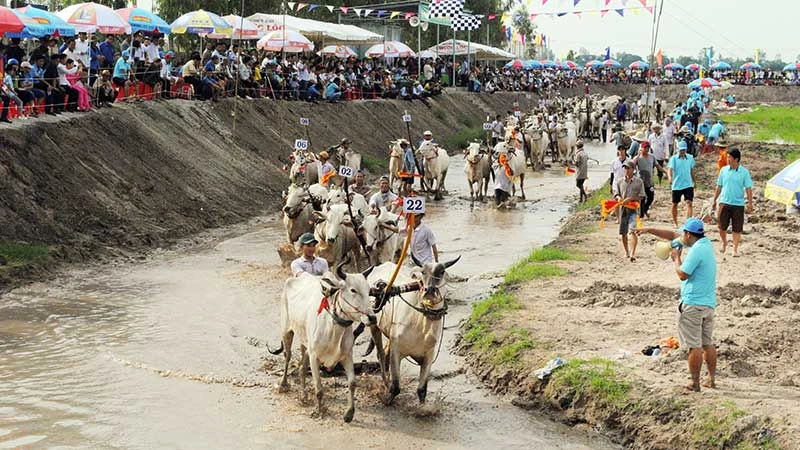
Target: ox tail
pixel 277 351
pixel 370 348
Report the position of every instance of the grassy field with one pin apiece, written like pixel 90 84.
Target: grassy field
pixel 773 123
pixel 19 255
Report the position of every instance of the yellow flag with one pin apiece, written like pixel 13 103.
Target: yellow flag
pixel 757 52
pixel 701 71
pixel 394 14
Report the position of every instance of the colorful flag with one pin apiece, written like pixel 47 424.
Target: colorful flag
pixel 660 58
pixel 465 22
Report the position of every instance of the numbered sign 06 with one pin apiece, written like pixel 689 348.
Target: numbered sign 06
pixel 414 205
pixel 300 144
pixel 346 172
pixel 304 121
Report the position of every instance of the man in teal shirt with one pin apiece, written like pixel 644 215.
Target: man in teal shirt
pixel 733 182
pixel 681 175
pixel 698 274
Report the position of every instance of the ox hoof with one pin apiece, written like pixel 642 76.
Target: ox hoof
pixel 283 388
pixel 348 417
pixel 388 399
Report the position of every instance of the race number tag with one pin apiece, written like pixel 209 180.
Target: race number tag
pixel 346 172
pixel 487 126
pixel 305 121
pixel 516 105
pixel 517 113
pixel 301 144
pixel 406 118
pixel 414 205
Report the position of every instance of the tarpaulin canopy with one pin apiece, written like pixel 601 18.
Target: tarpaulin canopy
pixel 480 51
pixel 315 29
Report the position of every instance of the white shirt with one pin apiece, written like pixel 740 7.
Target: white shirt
pixel 659 145
pixel 62 74
pixel 82 52
pixel 151 52
pixel 422 242
pixel 501 180
pixel 302 71
pixel 322 169
pixel 618 168
pixel 380 199
pixel 316 266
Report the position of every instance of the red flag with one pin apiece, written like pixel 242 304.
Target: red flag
pixel 660 58
pixel 568 171
pixel 544 1
pixel 644 3
pixel 491 16
pixel 603 12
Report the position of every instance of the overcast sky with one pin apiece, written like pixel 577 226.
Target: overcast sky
pixel 733 27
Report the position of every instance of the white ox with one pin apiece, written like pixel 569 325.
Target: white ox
pixel 324 328
pixel 436 164
pixel 566 138
pixel 358 202
pixel 412 333
pixel 538 142
pixel 336 237
pixel 381 235
pixel 517 164
pixel 304 168
pixel 477 169
pixel 301 202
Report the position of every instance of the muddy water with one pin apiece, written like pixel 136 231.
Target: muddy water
pixel 169 353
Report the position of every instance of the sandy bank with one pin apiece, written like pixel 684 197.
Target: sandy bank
pixel 598 311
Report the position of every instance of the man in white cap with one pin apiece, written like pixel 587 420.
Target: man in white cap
pixel 308 262
pixel 427 138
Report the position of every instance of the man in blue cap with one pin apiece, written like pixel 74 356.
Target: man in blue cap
pixel 680 171
pixel 698 274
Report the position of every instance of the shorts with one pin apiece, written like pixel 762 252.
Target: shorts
pixel 407 180
pixel 119 82
pixel 695 326
pixel 731 213
pixel 579 183
pixel 687 194
pixel 627 223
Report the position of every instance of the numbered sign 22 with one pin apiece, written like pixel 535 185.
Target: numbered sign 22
pixel 406 118
pixel 346 172
pixel 414 205
pixel 487 126
pixel 305 121
pixel 300 144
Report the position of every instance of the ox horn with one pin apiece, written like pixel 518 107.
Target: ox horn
pixel 368 271
pixel 450 263
pixel 339 272
pixel 416 261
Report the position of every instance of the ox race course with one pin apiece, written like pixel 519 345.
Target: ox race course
pixel 170 352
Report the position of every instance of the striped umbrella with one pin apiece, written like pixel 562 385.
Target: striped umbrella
pixel 10 22
pixel 339 51
pixel 694 67
pixel 784 187
pixel 639 65
pixel 47 19
pixel 547 63
pixel 720 65
pixel 794 67
pixel 91 17
pixel 750 66
pixel 289 41
pixel 703 83
pixel 394 49
pixel 242 29
pixel 515 64
pixel 531 64
pixel 594 63
pixel 143 20
pixel 673 66
pixel 569 65
pixel 200 22
pixel 611 63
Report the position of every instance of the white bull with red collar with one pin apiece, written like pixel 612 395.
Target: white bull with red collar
pixel 437 161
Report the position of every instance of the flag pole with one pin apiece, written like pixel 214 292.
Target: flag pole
pixel 454 52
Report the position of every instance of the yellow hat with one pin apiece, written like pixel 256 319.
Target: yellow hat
pixel 323 155
pixel 663 250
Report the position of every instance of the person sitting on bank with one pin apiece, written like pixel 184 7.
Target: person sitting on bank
pixel 308 262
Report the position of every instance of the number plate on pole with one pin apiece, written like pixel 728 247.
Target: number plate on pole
pixel 305 121
pixel 414 205
pixel 300 144
pixel 487 126
pixel 406 118
pixel 346 172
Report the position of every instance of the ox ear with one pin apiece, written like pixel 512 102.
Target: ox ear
pixel 450 263
pixel 416 261
pixel 368 271
pixel 318 217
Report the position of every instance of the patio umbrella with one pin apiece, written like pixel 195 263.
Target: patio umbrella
pixel 594 64
pixel 91 17
pixel 427 54
pixel 289 41
pixel 703 83
pixel 10 22
pixel 143 20
pixel 673 66
pixel 339 51
pixel 720 65
pixel 784 187
pixel 242 29
pixel 46 18
pixel 31 27
pixel 547 63
pixel 724 85
pixel 200 22
pixel 794 67
pixel 694 67
pixel 393 49
pixel 750 66
pixel 516 64
pixel 532 64
pixel 639 65
pixel 611 63
pixel 569 65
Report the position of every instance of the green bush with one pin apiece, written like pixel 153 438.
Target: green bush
pixel 463 137
pixel 22 254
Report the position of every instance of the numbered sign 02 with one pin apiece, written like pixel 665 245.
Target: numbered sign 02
pixel 346 172
pixel 301 144
pixel 414 205
pixel 487 126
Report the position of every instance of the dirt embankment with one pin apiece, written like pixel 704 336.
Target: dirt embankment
pixel 605 309
pixel 124 180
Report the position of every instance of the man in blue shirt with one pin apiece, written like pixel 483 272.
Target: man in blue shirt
pixel 733 182
pixel 716 131
pixel 680 171
pixel 106 57
pixel 698 275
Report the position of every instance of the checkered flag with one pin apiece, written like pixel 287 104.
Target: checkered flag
pixel 446 8
pixel 466 22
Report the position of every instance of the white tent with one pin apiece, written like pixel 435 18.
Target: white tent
pixel 316 30
pixel 479 51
